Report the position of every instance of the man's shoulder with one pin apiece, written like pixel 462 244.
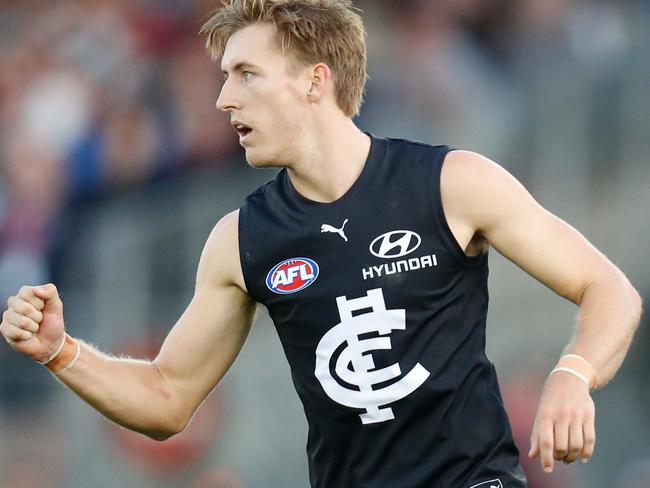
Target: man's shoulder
pixel 401 149
pixel 224 235
pixel 415 144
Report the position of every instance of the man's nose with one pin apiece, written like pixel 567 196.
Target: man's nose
pixel 227 100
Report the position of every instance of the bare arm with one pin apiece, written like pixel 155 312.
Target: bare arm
pixel 156 398
pixel 482 199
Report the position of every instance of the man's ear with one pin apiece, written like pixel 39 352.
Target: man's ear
pixel 320 78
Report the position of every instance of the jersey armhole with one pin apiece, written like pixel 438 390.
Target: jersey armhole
pixel 243 255
pixel 441 219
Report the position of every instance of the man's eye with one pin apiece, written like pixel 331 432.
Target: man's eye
pixel 246 75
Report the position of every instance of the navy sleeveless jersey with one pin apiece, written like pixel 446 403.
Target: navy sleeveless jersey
pixel 382 317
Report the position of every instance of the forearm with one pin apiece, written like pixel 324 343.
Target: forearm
pixel 610 311
pixel 129 392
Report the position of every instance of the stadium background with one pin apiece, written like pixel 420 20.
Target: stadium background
pixel 115 165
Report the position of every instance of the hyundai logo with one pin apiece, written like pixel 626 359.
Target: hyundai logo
pixel 395 244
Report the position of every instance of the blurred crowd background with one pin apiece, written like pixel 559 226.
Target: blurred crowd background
pixel 115 165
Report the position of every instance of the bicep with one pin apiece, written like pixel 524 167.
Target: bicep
pixel 206 339
pixel 500 209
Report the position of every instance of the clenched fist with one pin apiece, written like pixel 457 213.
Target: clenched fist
pixel 33 322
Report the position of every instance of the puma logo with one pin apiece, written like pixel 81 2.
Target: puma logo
pixel 334 230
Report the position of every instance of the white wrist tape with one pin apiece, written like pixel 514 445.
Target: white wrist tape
pixel 73 362
pixel 573 372
pixel 575 356
pixel 56 353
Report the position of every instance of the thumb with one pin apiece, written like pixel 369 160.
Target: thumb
pixel 534 446
pixel 45 292
pixel 50 295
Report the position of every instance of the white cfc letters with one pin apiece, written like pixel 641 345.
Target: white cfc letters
pixel 355 364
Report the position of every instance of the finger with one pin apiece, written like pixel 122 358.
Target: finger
pixel 21 321
pixel 23 307
pixel 561 438
pixel 13 334
pixel 534 444
pixel 27 293
pixel 45 292
pixel 50 295
pixel 546 445
pixel 575 441
pixel 589 439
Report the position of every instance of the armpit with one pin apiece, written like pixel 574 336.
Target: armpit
pixel 478 245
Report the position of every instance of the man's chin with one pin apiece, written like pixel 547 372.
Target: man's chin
pixel 257 160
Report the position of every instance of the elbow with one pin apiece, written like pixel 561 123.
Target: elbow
pixel 160 436
pixel 637 306
pixel 163 435
pixel 633 301
pixel 164 432
pixel 630 296
pixel 173 415
pixel 167 425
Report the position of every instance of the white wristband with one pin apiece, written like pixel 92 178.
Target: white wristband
pixel 575 356
pixel 56 353
pixel 573 372
pixel 72 363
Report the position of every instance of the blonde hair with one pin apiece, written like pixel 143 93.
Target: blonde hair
pixel 311 31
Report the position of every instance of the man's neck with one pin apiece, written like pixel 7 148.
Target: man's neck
pixel 334 158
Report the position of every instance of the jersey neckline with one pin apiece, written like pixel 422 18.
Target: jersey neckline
pixel 376 144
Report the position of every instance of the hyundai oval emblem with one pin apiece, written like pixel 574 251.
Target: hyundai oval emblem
pixel 395 244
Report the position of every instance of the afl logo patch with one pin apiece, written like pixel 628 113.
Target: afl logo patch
pixel 292 275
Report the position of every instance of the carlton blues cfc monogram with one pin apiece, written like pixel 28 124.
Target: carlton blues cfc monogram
pixel 382 318
pixel 355 365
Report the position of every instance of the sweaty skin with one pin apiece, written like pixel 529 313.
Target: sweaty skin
pixel 297 124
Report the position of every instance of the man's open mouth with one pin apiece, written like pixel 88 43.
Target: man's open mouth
pixel 242 130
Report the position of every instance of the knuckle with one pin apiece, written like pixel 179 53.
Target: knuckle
pixel 546 444
pixel 8 315
pixel 577 416
pixel 546 414
pixel 563 413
